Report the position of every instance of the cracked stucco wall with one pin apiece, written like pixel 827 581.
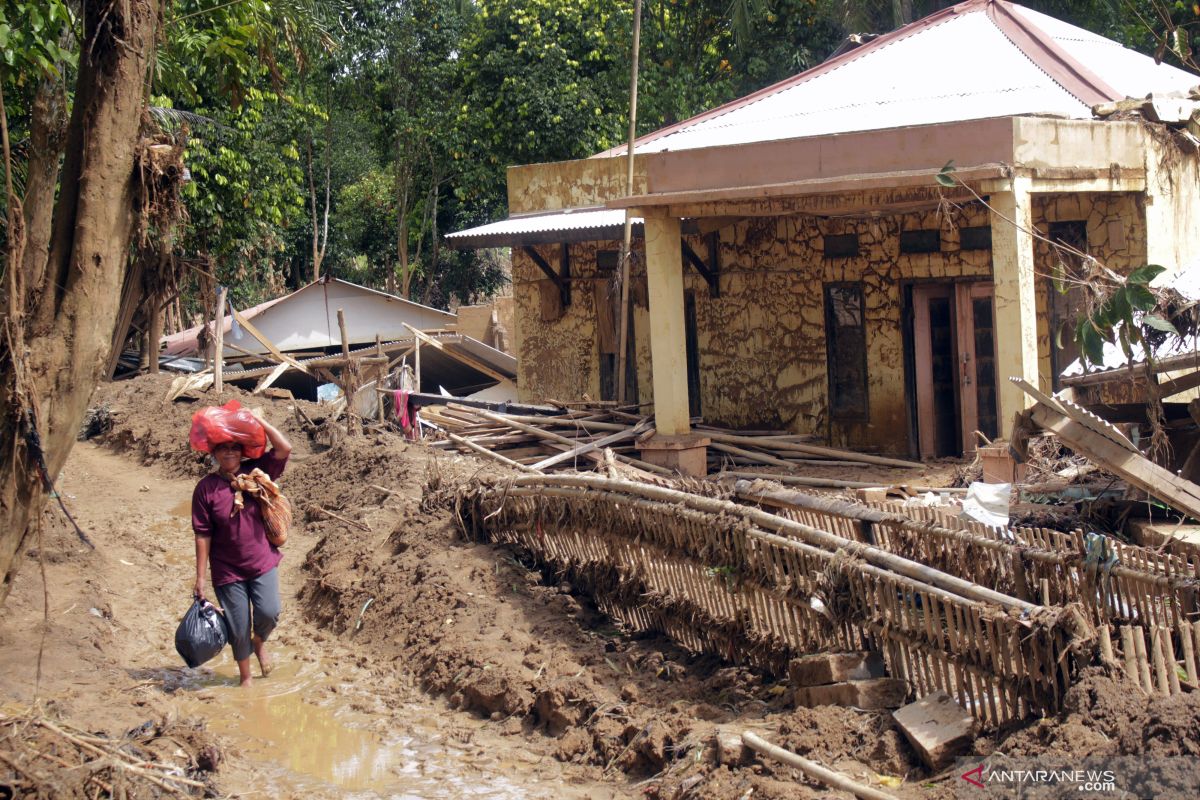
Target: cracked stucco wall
pixel 762 343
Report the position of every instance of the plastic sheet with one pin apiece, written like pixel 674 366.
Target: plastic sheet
pixel 214 425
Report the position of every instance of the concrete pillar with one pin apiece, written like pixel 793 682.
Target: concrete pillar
pixel 668 346
pixel 1016 305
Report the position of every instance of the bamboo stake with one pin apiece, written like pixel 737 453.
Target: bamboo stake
pixel 1189 653
pixel 1160 666
pixel 1169 655
pixel 1143 661
pixel 814 770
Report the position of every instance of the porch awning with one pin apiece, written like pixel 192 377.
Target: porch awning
pixel 567 225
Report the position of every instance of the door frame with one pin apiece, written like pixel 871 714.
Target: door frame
pixel 960 293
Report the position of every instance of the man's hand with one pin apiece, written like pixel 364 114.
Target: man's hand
pixel 198 589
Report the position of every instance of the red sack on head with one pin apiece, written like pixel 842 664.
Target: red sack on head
pixel 214 425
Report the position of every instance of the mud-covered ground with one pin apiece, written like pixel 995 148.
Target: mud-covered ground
pixel 415 663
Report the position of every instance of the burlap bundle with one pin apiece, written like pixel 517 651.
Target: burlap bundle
pixel 276 510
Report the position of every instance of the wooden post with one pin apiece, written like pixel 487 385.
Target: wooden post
pixel 154 334
pixel 627 236
pixel 342 330
pixel 219 340
pixel 1015 299
pixel 417 365
pixel 668 345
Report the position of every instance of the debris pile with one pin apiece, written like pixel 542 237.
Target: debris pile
pixel 43 758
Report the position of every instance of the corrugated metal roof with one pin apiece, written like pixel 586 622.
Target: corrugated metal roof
pixel 557 226
pixel 980 59
pixel 1129 72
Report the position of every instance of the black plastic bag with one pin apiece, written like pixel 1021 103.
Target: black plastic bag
pixel 201 633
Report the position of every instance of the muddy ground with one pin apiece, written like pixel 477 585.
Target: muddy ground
pixel 416 664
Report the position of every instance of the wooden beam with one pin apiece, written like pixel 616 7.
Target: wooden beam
pixel 561 278
pixel 267 343
pixel 705 271
pixel 1181 494
pixel 271 377
pixel 219 347
pixel 462 357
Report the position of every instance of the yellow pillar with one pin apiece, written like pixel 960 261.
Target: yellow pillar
pixel 1016 305
pixel 668 347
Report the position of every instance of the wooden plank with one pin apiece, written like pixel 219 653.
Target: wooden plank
pixel 1133 467
pixel 219 345
pixel 561 279
pixel 267 343
pixel 1076 413
pixel 271 377
pixel 462 357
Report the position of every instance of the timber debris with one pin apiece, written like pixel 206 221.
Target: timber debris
pixel 578 438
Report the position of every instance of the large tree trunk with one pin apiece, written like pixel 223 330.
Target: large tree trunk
pixel 48 371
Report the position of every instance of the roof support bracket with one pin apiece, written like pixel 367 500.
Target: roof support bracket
pixel 711 272
pixel 562 278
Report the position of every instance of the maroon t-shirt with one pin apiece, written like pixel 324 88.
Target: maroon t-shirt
pixel 240 550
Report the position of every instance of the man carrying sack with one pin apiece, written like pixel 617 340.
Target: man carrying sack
pixel 240 519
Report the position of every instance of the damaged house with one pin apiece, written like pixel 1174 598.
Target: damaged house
pixel 797 264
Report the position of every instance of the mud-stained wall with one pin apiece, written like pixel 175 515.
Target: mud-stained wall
pixel 761 343
pixel 571 184
pixel 1116 237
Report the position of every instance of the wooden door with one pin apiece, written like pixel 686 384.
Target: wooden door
pixel 954 356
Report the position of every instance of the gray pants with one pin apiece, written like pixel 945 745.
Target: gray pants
pixel 252 604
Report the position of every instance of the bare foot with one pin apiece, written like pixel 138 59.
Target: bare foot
pixel 247 683
pixel 265 662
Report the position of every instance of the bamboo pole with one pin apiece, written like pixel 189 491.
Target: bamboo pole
pixel 814 770
pixel 490 453
pixel 627 234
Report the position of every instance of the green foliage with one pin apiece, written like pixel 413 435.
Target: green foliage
pixel 30 38
pixel 1118 317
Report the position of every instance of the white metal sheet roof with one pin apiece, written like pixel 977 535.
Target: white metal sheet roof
pixel 1127 71
pixel 958 65
pixel 535 228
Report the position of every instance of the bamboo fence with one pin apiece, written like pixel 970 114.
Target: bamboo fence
pixel 1144 604
pixel 756 587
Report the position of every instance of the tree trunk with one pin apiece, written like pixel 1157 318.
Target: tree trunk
pixel 47 132
pixel 47 375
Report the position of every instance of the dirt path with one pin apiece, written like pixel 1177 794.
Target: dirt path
pixel 328 722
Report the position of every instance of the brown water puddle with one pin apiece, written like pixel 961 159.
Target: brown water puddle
pixel 303 743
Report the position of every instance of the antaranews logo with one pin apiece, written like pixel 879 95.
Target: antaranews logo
pixel 978 776
pixel 1126 777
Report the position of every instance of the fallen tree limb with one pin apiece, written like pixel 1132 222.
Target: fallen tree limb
pixel 814 770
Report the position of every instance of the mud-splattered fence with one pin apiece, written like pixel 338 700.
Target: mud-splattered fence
pixel 1144 604
pixel 754 586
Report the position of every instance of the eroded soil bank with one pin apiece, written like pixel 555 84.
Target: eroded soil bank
pixel 414 663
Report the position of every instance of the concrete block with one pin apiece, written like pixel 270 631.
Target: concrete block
pixel 875 694
pixel 822 668
pixel 938 728
pixel 729 748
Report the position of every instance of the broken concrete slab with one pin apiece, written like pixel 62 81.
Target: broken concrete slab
pixel 938 728
pixel 823 668
pixel 875 694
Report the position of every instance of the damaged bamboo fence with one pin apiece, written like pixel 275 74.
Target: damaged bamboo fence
pixel 1152 599
pixel 756 587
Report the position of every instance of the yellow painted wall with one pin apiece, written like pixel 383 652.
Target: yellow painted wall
pixel 762 342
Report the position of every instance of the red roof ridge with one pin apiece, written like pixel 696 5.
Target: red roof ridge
pixel 1063 68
